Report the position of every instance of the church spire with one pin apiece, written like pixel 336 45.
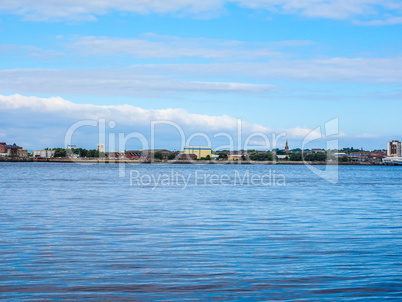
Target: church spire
pixel 286 147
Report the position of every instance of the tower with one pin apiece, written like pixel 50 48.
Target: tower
pixel 287 147
pixel 101 148
pixel 394 148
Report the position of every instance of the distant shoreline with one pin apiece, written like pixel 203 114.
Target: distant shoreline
pixel 200 162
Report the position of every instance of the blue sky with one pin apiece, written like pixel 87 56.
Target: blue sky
pixel 279 66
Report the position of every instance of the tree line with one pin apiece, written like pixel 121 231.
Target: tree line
pixel 61 152
pixel 256 156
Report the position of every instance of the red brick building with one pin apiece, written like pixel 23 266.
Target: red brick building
pixel 183 156
pixel 146 154
pixel 11 150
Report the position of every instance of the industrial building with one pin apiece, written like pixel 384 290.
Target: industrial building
pixel 394 148
pixel 12 150
pixel 43 153
pixel 200 152
pixel 234 157
pixel 146 154
pixel 395 160
pixel 183 156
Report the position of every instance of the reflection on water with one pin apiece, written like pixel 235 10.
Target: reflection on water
pixel 81 232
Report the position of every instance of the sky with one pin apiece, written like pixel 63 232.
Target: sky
pixel 280 69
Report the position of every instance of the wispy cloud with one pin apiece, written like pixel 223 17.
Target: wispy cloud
pixel 331 9
pixel 372 70
pixel 173 79
pixel 42 10
pixel 386 21
pixel 127 82
pixel 26 51
pixel 88 10
pixel 367 135
pixel 161 47
pixel 165 47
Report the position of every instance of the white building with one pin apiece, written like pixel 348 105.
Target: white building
pixel 393 160
pixel 394 148
pixel 340 154
pixel 43 153
pixel 101 148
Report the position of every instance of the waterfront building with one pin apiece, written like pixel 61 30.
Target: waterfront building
pixel 43 153
pixel 101 148
pixel 3 148
pixel 214 156
pixel 339 154
pixel 198 151
pixel 354 156
pixel 232 152
pixel 183 156
pixel 22 153
pixel 376 157
pixel 394 148
pixel 12 150
pixel 396 160
pixel 234 157
pixel 373 157
pixel 134 154
pixel 115 154
pixel 146 154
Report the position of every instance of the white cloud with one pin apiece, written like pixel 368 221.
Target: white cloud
pixel 75 9
pixel 298 132
pixel 124 114
pixel 47 120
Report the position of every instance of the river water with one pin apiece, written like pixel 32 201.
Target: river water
pixel 199 232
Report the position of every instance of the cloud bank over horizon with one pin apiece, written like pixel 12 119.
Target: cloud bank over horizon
pixel 47 120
